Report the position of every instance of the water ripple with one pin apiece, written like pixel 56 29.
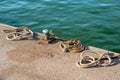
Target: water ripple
pixel 94 22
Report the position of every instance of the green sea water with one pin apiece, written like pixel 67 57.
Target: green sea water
pixel 93 22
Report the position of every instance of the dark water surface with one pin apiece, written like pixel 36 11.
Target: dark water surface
pixel 94 22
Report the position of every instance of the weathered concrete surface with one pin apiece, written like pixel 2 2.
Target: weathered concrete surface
pixel 28 60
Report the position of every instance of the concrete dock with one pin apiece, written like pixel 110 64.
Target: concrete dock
pixel 28 60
